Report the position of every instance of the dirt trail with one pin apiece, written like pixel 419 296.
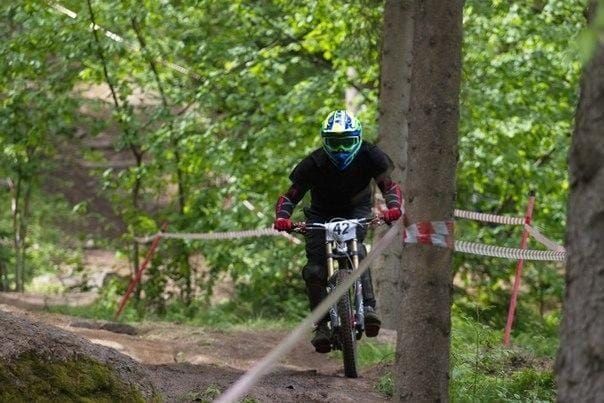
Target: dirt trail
pixel 186 363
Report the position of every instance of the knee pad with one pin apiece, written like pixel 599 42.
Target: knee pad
pixel 314 274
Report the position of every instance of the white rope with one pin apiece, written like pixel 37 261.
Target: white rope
pixel 492 218
pixel 220 235
pixel 551 245
pixel 509 253
pixel 250 378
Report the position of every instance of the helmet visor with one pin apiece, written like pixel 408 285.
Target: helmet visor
pixel 341 143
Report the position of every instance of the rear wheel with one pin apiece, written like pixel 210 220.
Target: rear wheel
pixel 346 332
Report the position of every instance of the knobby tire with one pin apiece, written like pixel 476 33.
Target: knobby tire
pixel 347 330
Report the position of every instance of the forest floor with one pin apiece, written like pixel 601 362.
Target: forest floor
pixel 188 363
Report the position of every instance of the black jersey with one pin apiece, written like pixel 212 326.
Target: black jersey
pixel 339 191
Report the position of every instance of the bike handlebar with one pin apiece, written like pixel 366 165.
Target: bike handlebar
pixel 301 227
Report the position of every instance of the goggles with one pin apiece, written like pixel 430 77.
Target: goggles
pixel 341 143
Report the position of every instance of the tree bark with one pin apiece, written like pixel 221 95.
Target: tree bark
pixel 16 189
pixel 580 363
pixel 24 225
pixel 422 357
pixel 395 84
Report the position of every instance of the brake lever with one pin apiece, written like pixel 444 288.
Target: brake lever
pixel 299 227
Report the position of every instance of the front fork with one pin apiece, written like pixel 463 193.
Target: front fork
pixel 358 288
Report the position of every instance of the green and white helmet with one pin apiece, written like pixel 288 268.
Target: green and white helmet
pixel 342 136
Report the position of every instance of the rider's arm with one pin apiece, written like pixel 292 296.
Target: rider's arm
pixel 391 192
pixel 288 201
pixel 302 179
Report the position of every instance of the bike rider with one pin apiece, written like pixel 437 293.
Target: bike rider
pixel 338 176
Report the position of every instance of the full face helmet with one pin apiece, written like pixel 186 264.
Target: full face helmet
pixel 341 133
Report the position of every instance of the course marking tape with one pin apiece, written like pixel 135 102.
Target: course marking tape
pixel 492 218
pixel 437 233
pixel 509 253
pixel 440 233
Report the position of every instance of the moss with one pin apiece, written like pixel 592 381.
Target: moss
pixel 30 378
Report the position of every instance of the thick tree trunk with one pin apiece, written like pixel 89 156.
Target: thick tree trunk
pixel 392 136
pixel 580 364
pixel 422 358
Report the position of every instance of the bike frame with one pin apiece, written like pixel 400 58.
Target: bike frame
pixel 351 252
pixel 345 251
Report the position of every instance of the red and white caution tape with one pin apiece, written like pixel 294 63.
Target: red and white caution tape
pixel 492 218
pixel 440 233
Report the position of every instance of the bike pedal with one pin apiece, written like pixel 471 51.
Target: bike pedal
pixel 372 329
pixel 323 348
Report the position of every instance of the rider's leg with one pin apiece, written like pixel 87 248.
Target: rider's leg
pixel 372 320
pixel 315 277
pixel 366 282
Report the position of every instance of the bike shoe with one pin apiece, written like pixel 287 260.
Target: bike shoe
pixel 321 339
pixel 372 322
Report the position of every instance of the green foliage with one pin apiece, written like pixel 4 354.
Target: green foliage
pixel 385 385
pixel 258 78
pixel 482 370
pixel 228 315
pixel 520 76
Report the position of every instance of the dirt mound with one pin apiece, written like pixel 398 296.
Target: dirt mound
pixel 35 353
pixel 188 363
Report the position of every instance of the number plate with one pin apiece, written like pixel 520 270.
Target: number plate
pixel 341 231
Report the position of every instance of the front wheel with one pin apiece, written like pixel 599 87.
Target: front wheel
pixel 346 332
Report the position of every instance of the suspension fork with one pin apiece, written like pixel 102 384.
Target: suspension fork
pixel 329 254
pixel 333 314
pixel 358 297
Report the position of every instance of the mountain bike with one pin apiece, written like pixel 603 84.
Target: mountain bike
pixel 346 317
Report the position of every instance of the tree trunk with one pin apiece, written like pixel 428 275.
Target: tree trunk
pixel 16 189
pixel 183 254
pixel 138 156
pixel 3 277
pixel 580 364
pixel 23 227
pixel 392 136
pixel 422 358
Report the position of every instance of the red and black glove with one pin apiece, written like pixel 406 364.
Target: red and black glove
pixel 283 224
pixel 391 214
